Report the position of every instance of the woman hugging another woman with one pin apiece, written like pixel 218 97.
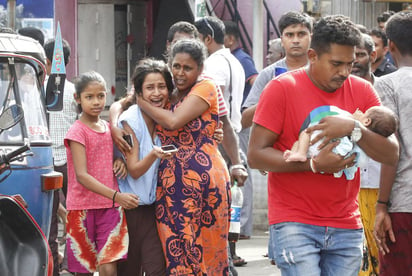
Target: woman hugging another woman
pixel 192 200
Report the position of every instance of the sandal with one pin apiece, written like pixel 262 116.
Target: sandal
pixel 238 261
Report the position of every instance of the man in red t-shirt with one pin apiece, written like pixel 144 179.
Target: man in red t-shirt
pixel 314 217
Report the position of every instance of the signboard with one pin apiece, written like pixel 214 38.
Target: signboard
pixel 200 9
pixel 33 8
pixel 58 66
pixel 31 13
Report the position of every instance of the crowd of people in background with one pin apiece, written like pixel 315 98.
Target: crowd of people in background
pixel 134 207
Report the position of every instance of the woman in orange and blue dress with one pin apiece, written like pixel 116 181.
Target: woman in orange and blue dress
pixel 192 208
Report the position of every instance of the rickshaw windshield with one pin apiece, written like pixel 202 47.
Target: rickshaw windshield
pixel 20 85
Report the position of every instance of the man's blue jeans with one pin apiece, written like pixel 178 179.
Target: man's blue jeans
pixel 303 249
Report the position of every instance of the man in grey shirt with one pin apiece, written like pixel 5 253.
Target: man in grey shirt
pixel 296 29
pixel 393 227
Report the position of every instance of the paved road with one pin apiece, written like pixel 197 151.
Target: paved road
pixel 252 251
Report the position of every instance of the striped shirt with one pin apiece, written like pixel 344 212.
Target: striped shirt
pixel 222 105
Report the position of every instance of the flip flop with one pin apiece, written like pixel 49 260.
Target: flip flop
pixel 238 261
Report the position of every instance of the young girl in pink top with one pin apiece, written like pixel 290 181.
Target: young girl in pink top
pixel 96 229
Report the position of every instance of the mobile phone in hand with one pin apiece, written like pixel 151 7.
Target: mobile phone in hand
pixel 129 139
pixel 169 148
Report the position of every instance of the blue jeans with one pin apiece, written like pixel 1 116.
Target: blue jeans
pixel 303 249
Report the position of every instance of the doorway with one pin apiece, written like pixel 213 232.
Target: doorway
pixel 111 39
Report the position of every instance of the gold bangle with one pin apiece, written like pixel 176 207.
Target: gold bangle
pixel 312 165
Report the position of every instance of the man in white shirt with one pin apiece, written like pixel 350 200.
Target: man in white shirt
pixel 222 66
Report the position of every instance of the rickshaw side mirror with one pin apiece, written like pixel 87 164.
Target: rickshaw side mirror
pixel 54 92
pixel 11 116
